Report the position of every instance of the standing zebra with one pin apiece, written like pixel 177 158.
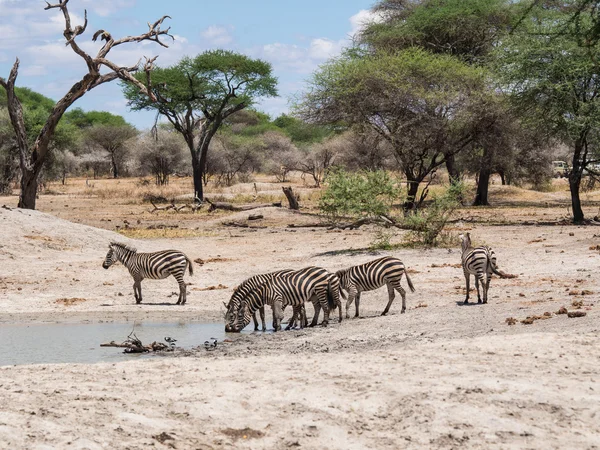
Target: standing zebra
pixel 373 275
pixel 156 266
pixel 241 292
pixel 291 289
pixel 480 262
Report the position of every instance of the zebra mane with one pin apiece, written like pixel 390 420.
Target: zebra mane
pixel 123 246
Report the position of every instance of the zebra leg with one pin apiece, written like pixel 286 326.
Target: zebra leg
pixel 402 293
pixel 261 311
pixel 277 314
pixel 137 291
pixel 468 281
pixel 479 280
pixel 315 319
pixel 356 304
pixel 486 287
pixel 392 296
pixel 182 290
pixel 292 322
pixel 352 292
pixel 256 321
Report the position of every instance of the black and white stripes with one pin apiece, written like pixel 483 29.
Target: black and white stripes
pixel 480 262
pixel 156 265
pixel 294 289
pixel 373 275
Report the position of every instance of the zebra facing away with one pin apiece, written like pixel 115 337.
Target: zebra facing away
pixel 371 276
pixel 294 289
pixel 241 292
pixel 480 262
pixel 155 265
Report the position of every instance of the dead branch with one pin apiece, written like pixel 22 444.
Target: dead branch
pixel 161 208
pixel 241 225
pixel 232 207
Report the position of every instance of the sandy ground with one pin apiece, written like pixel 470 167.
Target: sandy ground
pixel 442 375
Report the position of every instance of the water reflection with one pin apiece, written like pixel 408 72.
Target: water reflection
pixel 80 343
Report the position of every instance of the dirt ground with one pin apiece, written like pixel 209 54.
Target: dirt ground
pixel 443 375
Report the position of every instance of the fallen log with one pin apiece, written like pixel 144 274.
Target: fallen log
pixel 232 207
pixel 241 225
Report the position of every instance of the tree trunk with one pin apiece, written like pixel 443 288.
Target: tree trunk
pixel 575 180
pixel 115 167
pixel 198 173
pixel 29 186
pixel 411 197
pixel 502 177
pixel 292 198
pixel 481 196
pixel 483 180
pixel 453 173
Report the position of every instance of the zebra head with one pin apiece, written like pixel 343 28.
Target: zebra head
pixel 344 277
pixel 465 240
pixel 242 319
pixel 230 314
pixel 110 257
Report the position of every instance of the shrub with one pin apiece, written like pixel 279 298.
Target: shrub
pixel 359 194
pixel 428 225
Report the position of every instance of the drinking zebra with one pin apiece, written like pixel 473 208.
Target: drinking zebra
pixel 292 289
pixel 241 292
pixel 480 262
pixel 373 275
pixel 156 266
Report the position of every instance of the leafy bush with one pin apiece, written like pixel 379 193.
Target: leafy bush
pixel 428 225
pixel 358 194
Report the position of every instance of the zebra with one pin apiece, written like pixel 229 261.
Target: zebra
pixel 294 289
pixel 480 262
pixel 156 266
pixel 372 275
pixel 241 291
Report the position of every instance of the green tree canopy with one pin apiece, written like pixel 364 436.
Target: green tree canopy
pixel 551 72
pixel 197 94
pixel 423 104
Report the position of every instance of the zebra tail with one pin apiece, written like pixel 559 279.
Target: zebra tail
pixel 190 265
pixel 408 280
pixel 331 303
pixel 495 269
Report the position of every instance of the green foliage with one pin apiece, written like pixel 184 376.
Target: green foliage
pixel 301 132
pixel 209 83
pixel 82 119
pixel 358 194
pixel 428 224
pixel 465 28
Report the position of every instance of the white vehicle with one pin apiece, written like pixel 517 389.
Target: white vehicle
pixel 560 169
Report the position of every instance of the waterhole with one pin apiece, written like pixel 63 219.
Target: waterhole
pixel 80 343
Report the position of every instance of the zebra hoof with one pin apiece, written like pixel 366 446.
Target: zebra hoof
pixel 466 302
pixel 479 301
pixel 403 311
pixel 485 302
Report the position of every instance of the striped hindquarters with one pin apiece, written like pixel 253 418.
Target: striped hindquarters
pixel 158 265
pixel 374 274
pixel 476 260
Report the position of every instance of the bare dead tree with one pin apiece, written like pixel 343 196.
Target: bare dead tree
pixel 32 157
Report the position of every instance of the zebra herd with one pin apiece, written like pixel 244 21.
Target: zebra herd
pixel 295 288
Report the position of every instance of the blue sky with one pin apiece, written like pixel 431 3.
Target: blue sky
pixel 295 37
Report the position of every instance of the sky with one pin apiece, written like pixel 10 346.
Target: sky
pixel 295 37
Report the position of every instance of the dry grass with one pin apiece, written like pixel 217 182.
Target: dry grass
pixel 169 233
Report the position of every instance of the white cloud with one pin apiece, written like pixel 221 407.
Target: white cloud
pixel 33 71
pixel 363 18
pixel 322 49
pixel 217 35
pixel 107 7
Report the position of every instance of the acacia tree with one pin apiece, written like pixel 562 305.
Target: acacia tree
pixel 32 157
pixel 465 29
pixel 197 94
pixel 113 140
pixel 420 103
pixel 551 72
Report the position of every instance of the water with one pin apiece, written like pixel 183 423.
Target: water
pixel 80 343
